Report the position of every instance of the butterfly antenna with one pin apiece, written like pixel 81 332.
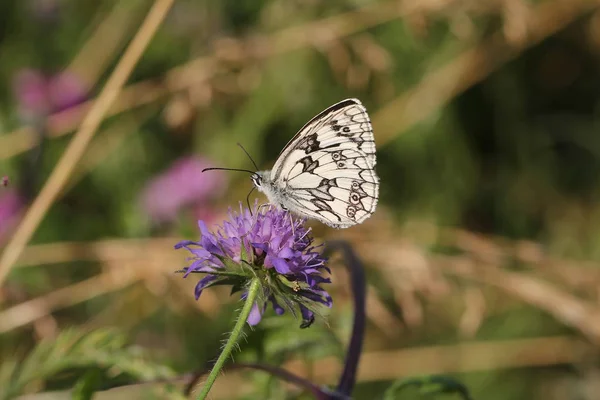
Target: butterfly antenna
pixel 242 147
pixel 248 199
pixel 228 169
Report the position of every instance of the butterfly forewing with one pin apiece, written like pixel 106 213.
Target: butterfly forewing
pixel 327 169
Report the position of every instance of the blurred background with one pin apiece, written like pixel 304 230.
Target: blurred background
pixel 482 258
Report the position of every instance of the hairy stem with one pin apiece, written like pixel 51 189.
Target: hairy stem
pixel 233 338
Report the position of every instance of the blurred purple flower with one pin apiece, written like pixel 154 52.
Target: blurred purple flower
pixel 39 95
pixel 183 184
pixel 66 90
pixel 269 245
pixel 11 205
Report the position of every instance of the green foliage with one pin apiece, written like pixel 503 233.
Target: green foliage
pixel 102 353
pixel 428 387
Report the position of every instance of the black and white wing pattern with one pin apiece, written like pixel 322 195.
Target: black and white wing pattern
pixel 327 171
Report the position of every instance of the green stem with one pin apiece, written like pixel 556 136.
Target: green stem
pixel 233 338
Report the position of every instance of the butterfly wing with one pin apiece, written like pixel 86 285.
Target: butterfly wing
pixel 328 169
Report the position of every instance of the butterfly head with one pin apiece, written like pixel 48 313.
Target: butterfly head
pixel 262 182
pixel 256 179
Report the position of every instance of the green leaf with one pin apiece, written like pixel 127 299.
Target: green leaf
pixel 429 385
pixel 87 385
pixel 102 350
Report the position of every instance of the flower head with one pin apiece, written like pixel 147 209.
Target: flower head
pixel 267 244
pixel 183 184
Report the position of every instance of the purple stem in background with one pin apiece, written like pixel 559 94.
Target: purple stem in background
pixel 358 284
pixel 286 376
pixel 315 390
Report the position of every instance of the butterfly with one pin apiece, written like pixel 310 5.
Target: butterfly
pixel 327 171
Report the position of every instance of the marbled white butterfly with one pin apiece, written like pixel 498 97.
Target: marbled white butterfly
pixel 327 171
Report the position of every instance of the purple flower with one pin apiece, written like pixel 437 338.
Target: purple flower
pixel 183 184
pixel 269 245
pixel 39 95
pixel 11 205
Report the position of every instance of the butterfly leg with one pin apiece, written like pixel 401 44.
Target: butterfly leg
pixel 264 205
pixel 259 208
pixel 292 224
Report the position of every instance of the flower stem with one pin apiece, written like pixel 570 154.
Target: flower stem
pixel 233 338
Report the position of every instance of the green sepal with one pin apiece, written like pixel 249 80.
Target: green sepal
pixel 236 287
pixel 229 280
pixel 228 263
pixel 295 286
pixel 221 272
pixel 289 294
pixel 244 254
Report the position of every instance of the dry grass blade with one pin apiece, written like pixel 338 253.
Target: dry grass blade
pixel 77 146
pixel 440 86
pixel 565 307
pixel 106 144
pixel 117 250
pixel 31 310
pixel 108 37
pixel 467 357
pixel 318 33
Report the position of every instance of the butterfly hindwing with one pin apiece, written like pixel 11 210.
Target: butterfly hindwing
pixel 327 169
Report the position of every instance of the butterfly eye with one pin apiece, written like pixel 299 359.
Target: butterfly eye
pixel 354 198
pixel 355 185
pixel 335 156
pixel 341 164
pixel 346 129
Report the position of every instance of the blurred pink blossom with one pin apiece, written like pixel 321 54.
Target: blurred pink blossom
pixel 39 95
pixel 182 185
pixel 11 205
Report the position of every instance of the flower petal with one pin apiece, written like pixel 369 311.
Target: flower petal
pixel 278 309
pixel 185 243
pixel 255 315
pixel 286 252
pixel 262 246
pixel 281 265
pixel 198 266
pixel 202 284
